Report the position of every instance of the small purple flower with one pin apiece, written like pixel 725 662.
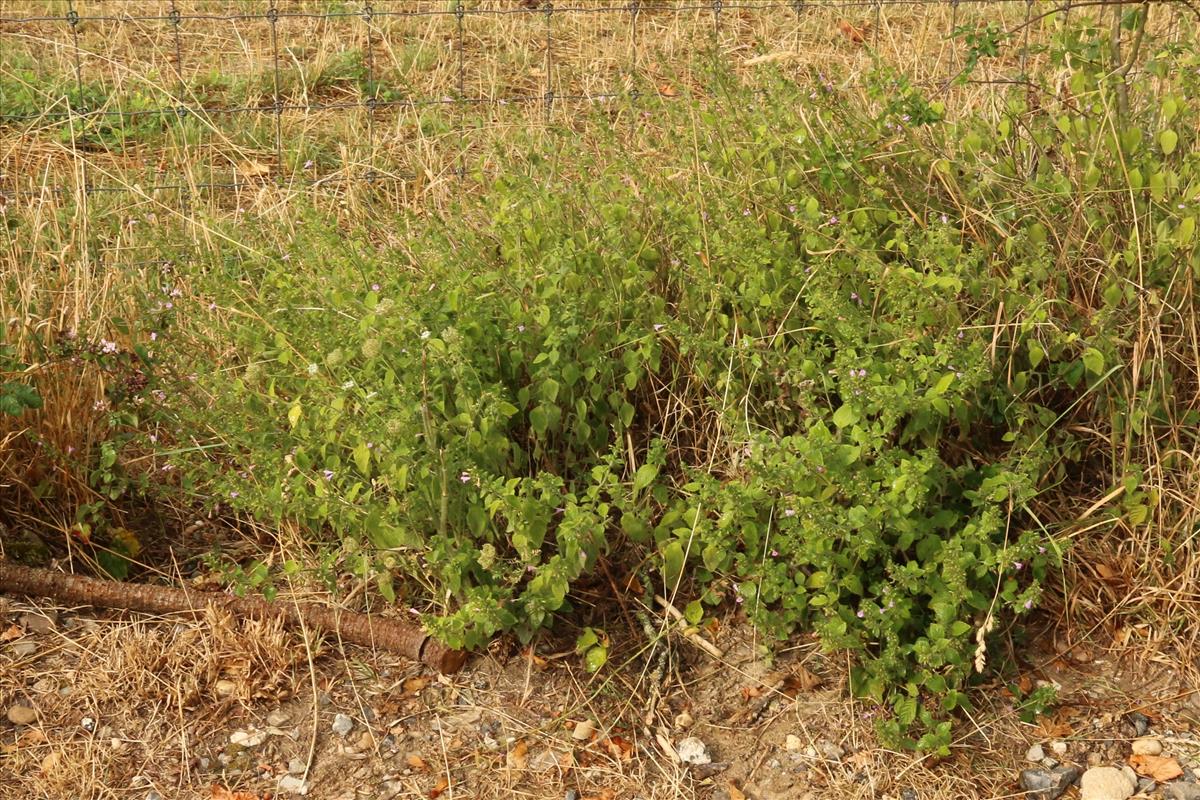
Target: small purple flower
pixel 658 326
pixel 212 306
pixel 745 212
pixel 168 305
pixel 1041 550
pixel 960 335
pixel 789 512
pixel 791 208
pixel 153 438
pixel 520 329
pixel 328 473
pixel 308 164
pixel 945 219
pixel 833 220
pixel 861 614
pixel 820 469
pixel 854 296
pixel 465 477
pixel 739 599
pixel 234 493
pixel 153 336
pixel 1018 566
pixel 774 553
pixel 374 287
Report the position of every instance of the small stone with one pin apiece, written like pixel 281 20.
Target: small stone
pixel 793 744
pixel 1146 786
pixel 908 794
pixel 693 751
pixel 830 751
pixel 296 766
pixel 583 730
pixel 1042 784
pixel 293 785
pixel 153 795
pixel 252 738
pixel 364 741
pixel 705 771
pixel 1058 748
pixel 1147 747
pixel 36 623
pixel 1035 754
pixel 225 688
pixel 21 715
pixel 1105 783
pixel 1140 722
pixel 1049 763
pixel 683 720
pixel 278 718
pixel 571 795
pixel 342 724
pixel 23 649
pixel 1181 790
pixel 1095 759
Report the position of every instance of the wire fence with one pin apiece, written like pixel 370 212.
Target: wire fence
pixel 128 119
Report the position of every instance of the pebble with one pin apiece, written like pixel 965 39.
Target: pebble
pixel 1058 748
pixel 225 688
pixel 1140 722
pixel 36 623
pixel 153 795
pixel 1147 747
pixel 23 649
pixel 908 794
pixel 1181 790
pixel 1035 754
pixel 830 751
pixel 683 720
pixel 293 785
pixel 278 718
pixel 296 766
pixel 583 730
pixel 1105 783
pixel 251 738
pixel 693 751
pixel 342 724
pixel 571 795
pixel 21 715
pixel 793 744
pixel 1041 784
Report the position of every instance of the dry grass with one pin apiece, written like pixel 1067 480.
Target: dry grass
pixel 75 262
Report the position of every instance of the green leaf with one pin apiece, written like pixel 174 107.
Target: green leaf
pixel 672 563
pixel 1167 140
pixel 294 414
pixel 362 458
pixel 595 658
pixel 693 612
pixel 1093 361
pixel 944 383
pixel 645 476
pixel 587 638
pixel 1036 353
pixel 845 416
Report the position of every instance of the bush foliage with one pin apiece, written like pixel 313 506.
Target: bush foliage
pixel 816 356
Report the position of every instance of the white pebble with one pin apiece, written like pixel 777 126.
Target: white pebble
pixel 693 751
pixel 1147 747
pixel 293 785
pixel 342 724
pixel 1035 754
pixel 793 744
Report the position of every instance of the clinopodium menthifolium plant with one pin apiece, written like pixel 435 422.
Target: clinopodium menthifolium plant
pixel 813 353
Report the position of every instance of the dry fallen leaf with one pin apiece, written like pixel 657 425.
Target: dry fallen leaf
pixel 605 794
pixel 253 169
pixel 535 659
pixel 416 762
pixel 14 632
pixel 619 748
pixel 1054 727
pixel 439 787
pixel 667 90
pixel 413 686
pixel 518 757
pixel 855 35
pixel 1158 768
pixel 221 793
pixel 734 792
pixel 800 680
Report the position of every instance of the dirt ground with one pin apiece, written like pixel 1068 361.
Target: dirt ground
pixel 103 705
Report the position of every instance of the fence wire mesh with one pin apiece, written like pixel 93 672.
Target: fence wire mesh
pixel 174 98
